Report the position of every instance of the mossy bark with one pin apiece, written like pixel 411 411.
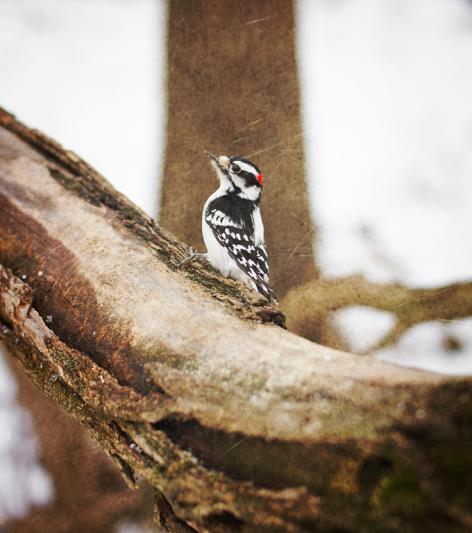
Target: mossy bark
pixel 188 380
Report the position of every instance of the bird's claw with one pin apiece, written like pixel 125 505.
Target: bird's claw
pixel 192 255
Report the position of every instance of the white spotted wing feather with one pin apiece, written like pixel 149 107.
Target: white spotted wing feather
pixel 236 251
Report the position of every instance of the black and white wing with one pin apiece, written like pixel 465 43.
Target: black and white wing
pixel 238 240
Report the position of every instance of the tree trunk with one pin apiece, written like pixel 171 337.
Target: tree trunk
pixel 233 89
pixel 185 378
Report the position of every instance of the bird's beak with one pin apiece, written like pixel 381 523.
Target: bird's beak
pixel 220 162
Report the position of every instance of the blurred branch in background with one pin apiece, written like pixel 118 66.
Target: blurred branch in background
pixel 310 306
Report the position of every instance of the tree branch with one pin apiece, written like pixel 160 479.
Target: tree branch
pixel 186 379
pixel 309 305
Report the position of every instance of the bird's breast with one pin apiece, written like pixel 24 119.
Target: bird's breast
pixel 258 227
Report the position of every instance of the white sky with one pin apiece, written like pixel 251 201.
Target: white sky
pixel 90 73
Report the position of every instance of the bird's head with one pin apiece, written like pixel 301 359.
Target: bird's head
pixel 238 175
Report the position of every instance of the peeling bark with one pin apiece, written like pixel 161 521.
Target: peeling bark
pixel 188 380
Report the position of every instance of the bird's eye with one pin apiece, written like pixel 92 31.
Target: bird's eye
pixel 235 168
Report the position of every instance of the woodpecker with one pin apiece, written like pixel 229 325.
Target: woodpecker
pixel 232 225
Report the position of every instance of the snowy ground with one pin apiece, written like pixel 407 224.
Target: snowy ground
pixel 387 111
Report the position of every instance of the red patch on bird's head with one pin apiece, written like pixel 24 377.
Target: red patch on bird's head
pixel 260 179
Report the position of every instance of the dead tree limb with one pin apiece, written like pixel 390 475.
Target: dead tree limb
pixel 187 380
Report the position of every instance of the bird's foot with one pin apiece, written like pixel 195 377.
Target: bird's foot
pixel 192 256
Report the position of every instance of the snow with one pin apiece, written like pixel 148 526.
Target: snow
pixel 23 481
pixel 426 346
pixel 387 113
pixel 388 118
pixel 130 527
pixel 90 73
pixel 363 326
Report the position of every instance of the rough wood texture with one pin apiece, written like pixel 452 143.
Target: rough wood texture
pixel 187 380
pixel 233 89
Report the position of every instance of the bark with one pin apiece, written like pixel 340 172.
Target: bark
pixel 233 89
pixel 188 380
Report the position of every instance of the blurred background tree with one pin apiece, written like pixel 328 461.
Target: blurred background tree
pixel 233 89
